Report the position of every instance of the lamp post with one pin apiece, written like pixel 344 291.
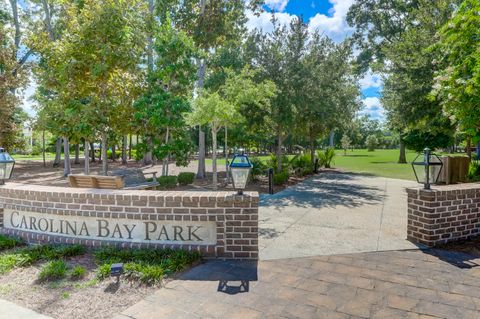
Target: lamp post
pixel 6 166
pixel 240 167
pixel 426 168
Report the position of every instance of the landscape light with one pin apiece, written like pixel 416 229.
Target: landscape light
pixel 426 168
pixel 240 169
pixel 6 166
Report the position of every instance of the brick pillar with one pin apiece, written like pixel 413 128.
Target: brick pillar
pixel 443 214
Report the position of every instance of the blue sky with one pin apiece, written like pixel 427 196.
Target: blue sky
pixel 328 16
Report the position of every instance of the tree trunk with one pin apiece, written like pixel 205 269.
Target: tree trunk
pixel 58 152
pixel 226 152
pixel 201 154
pixel 124 150
pixel 214 158
pixel 165 160
pixel 92 149
pixel 469 147
pixel 114 152
pixel 402 159
pixel 77 154
pixel 66 155
pixel 332 138
pixel 130 147
pixel 312 148
pixel 279 153
pixel 43 148
pixel 104 154
pixel 86 169
pixel 148 156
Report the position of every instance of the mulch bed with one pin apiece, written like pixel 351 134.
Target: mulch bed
pixel 87 298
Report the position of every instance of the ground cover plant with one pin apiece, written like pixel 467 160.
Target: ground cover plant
pixel 7 242
pixel 149 266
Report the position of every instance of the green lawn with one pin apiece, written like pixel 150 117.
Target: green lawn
pixel 20 157
pixel 379 163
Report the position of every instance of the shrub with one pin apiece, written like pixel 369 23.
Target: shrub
pixel 272 163
pixel 9 242
pixel 325 158
pixel 259 168
pixel 474 171
pixel 167 181
pixel 186 178
pixel 53 270
pixel 78 272
pixel 280 178
pixel 302 165
pixel 26 256
pixel 146 265
pixel 371 142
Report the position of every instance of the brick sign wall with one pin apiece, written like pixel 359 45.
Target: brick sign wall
pixel 443 214
pixel 218 224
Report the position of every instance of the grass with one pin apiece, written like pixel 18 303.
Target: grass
pixel 382 163
pixel 379 163
pixel 22 157
pixel 148 266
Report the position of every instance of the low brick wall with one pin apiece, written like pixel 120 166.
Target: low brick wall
pixel 443 214
pixel 152 219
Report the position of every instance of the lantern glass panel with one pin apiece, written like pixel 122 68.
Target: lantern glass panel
pixel 240 177
pixel 3 170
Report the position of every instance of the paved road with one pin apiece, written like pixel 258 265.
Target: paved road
pixel 335 213
pixel 394 284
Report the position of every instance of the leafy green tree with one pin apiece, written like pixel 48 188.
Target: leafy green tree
pixel 100 46
pixel 372 142
pixel 394 38
pixel 221 108
pixel 159 111
pixel 13 67
pixel 346 142
pixel 211 23
pixel 457 84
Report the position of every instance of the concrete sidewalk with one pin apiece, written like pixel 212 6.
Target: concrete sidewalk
pixel 334 213
pixel 9 310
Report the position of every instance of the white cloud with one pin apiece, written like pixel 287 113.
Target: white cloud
pixel 277 5
pixel 263 21
pixel 373 108
pixel 371 80
pixel 334 24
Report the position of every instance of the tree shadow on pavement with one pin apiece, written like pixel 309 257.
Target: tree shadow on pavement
pixel 329 191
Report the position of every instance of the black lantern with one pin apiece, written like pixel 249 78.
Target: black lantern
pixel 239 170
pixel 6 166
pixel 428 168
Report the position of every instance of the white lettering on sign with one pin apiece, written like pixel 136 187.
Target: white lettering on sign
pixel 128 230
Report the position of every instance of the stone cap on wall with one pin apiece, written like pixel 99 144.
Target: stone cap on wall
pixel 446 189
pixel 17 189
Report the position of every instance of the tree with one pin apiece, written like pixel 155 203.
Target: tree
pixel 221 108
pixel 100 47
pixel 457 82
pixel 12 74
pixel 346 143
pixel 394 37
pixel 371 142
pixel 211 23
pixel 159 111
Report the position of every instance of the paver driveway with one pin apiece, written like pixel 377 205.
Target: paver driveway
pixel 394 284
pixel 335 213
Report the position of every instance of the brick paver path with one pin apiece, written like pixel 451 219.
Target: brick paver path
pixel 394 284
